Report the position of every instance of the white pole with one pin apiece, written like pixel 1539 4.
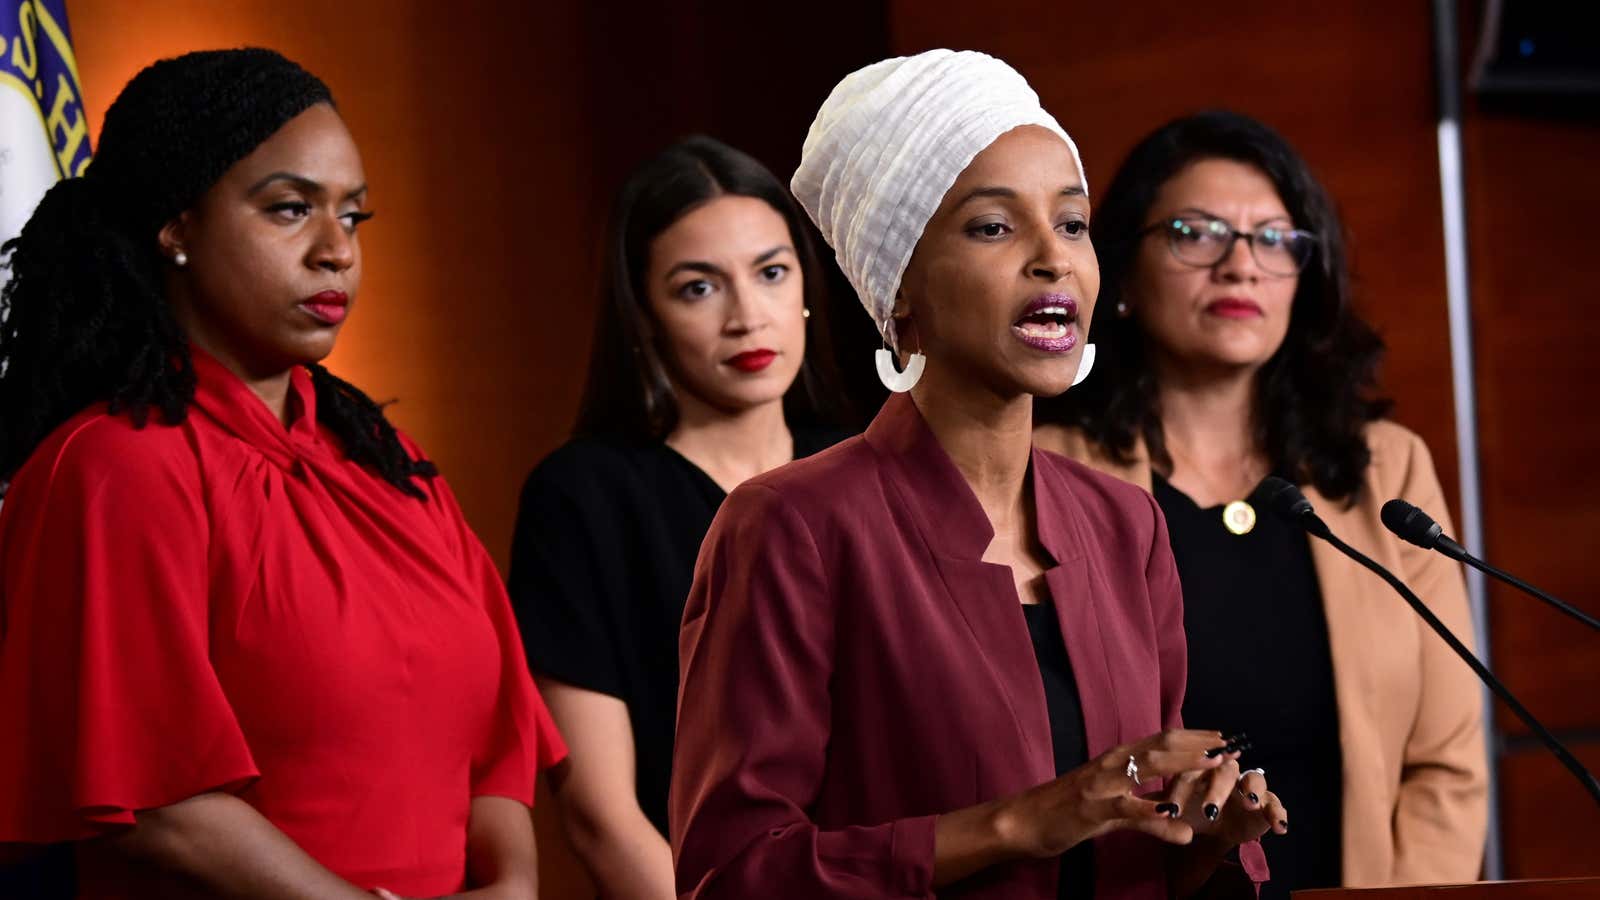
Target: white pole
pixel 1458 296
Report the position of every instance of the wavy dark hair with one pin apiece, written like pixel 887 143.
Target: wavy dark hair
pixel 86 319
pixel 1313 396
pixel 628 393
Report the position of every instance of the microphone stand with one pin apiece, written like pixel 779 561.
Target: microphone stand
pixel 1307 519
pixel 1409 523
pixel 1518 583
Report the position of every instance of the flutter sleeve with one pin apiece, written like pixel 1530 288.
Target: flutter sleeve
pixel 109 700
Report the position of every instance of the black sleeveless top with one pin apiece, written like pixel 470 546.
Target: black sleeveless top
pixel 1066 731
pixel 1259 662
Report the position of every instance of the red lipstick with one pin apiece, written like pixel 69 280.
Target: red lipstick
pixel 327 307
pixel 752 361
pixel 1235 308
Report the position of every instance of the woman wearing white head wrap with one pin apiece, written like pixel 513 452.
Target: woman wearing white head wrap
pixel 866 710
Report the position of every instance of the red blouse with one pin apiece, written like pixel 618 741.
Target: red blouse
pixel 230 605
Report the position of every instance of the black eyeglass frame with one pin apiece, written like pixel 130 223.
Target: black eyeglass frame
pixel 1172 228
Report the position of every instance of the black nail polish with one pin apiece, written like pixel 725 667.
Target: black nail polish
pixel 1215 752
pixel 1282 823
pixel 1254 799
pixel 1236 738
pixel 1171 809
pixel 1212 812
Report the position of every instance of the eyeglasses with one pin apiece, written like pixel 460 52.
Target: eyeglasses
pixel 1205 241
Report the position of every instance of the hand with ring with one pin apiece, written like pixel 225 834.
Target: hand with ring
pixel 1104 795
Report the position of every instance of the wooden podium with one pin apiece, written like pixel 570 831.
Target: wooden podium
pixel 1541 889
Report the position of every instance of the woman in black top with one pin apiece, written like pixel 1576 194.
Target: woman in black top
pixel 1232 351
pixel 1262 582
pixel 706 370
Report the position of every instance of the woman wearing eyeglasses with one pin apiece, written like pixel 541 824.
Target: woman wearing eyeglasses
pixel 1231 352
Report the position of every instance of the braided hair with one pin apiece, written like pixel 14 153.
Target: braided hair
pixel 83 318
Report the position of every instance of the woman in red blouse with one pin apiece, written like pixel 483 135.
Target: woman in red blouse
pixel 248 644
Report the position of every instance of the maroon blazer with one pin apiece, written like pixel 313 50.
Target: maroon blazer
pixel 851 668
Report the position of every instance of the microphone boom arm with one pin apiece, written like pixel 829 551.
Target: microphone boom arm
pixel 1526 588
pixel 1317 527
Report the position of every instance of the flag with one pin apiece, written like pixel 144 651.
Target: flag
pixel 44 134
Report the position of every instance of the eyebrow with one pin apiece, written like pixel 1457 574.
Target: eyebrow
pixel 781 248
pixel 1006 193
pixel 1211 215
pixel 300 182
pixel 694 265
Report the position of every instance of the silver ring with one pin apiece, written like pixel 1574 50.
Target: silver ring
pixel 1133 770
pixel 1261 772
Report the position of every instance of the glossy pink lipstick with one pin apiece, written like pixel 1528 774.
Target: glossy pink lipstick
pixel 1048 323
pixel 327 307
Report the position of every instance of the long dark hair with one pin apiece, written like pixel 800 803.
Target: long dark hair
pixel 86 319
pixel 628 393
pixel 1313 396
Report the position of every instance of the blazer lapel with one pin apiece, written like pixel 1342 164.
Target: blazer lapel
pixel 1064 533
pixel 953 525
pixel 987 600
pixel 1354 627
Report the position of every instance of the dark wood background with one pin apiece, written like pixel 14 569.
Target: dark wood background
pixel 494 134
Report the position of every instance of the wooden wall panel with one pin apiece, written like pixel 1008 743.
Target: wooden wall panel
pixel 1532 191
pixel 1551 826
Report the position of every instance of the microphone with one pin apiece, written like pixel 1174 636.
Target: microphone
pixel 1416 526
pixel 1287 501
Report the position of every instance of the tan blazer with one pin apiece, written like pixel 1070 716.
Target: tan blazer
pixel 1410 719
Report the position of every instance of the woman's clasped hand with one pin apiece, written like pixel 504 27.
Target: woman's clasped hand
pixel 1170 785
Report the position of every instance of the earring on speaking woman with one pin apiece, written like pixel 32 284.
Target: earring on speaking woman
pixel 180 259
pixel 897 381
pixel 805 312
pixel 1085 365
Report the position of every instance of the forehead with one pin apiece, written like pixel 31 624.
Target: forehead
pixel 1222 186
pixel 315 144
pixel 1029 157
pixel 730 227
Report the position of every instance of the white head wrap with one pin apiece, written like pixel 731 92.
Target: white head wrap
pixel 887 145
